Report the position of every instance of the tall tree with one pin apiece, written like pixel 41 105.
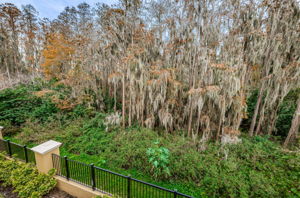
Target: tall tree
pixel 10 28
pixel 30 28
pixel 57 56
pixel 294 130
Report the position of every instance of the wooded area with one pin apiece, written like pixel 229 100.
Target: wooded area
pixel 182 65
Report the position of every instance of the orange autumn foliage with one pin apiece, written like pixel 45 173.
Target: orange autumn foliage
pixel 57 55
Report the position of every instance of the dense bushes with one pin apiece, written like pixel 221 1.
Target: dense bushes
pixel 256 167
pixel 18 105
pixel 25 179
pixel 37 103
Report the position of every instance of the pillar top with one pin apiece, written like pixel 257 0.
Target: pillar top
pixel 1 127
pixel 46 147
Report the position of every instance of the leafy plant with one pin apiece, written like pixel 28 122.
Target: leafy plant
pixel 25 179
pixel 159 158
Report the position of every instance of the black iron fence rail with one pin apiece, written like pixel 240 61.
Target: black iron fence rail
pixel 110 182
pixel 21 152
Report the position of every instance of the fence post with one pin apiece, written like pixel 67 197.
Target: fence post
pixel 25 154
pixel 128 186
pixel 43 155
pixel 9 148
pixel 67 167
pixel 175 194
pixel 93 176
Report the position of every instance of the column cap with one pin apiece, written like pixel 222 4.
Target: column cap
pixel 1 127
pixel 46 147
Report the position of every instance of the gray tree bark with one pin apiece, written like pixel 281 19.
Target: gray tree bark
pixel 295 125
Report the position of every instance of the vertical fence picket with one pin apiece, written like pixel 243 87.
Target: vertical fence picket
pixel 93 177
pixel 25 153
pixel 67 167
pixel 9 148
pixel 175 194
pixel 128 186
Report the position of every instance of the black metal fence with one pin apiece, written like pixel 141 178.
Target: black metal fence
pixel 18 151
pixel 109 182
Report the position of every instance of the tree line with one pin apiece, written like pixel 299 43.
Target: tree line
pixel 180 65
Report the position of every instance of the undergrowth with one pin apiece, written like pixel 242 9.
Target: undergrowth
pixel 257 167
pixel 25 179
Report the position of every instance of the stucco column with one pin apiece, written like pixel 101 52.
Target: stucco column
pixel 1 136
pixel 43 155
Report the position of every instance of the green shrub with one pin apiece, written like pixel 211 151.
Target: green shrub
pixel 159 159
pixel 255 168
pixel 34 132
pixel 17 105
pixel 93 138
pixel 80 111
pixel 9 129
pixel 25 179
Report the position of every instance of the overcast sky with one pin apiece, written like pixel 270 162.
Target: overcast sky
pixel 51 8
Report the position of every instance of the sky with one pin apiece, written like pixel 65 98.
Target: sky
pixel 51 8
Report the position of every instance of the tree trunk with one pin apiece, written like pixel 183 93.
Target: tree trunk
pixel 273 119
pixel 221 119
pixel 123 100
pixel 261 116
pixel 130 110
pixel 8 73
pixel 190 118
pixel 191 101
pixel 295 125
pixel 142 110
pixel 254 118
pixel 115 97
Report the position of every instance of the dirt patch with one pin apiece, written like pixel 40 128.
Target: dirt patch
pixel 7 192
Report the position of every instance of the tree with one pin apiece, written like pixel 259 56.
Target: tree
pixel 30 28
pixel 294 130
pixel 177 65
pixel 9 18
pixel 57 56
